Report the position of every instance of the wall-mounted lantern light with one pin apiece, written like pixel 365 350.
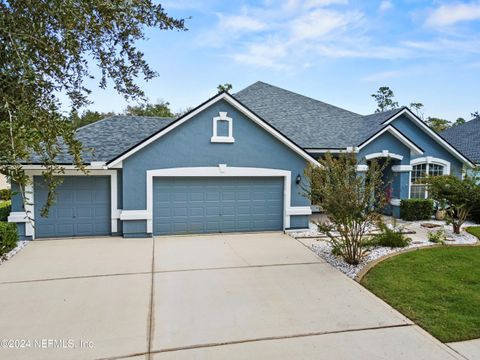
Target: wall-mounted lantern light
pixel 298 179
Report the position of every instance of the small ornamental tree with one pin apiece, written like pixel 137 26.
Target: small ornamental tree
pixel 459 195
pixel 351 200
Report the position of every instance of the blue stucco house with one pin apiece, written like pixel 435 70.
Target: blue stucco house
pixel 233 163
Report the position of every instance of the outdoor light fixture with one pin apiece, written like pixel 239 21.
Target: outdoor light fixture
pixel 298 179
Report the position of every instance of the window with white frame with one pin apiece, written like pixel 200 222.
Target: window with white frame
pixel 222 129
pixel 418 189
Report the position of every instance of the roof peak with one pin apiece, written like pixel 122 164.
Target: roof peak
pixel 278 88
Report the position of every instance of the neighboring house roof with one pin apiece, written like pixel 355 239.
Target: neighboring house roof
pixel 466 138
pixel 112 136
pixel 311 123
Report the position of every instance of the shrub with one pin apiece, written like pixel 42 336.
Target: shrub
pixel 437 237
pixel 8 237
pixel 5 209
pixel 416 209
pixel 390 237
pixel 460 196
pixel 5 194
pixel 351 201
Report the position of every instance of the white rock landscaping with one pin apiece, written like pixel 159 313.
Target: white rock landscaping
pixel 419 239
pixel 11 253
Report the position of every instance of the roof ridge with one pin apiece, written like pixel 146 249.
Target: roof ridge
pixel 297 94
pixel 95 122
pixel 123 116
pixel 393 111
pixel 456 128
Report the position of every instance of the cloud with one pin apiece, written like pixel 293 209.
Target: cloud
pixel 240 23
pixel 451 14
pixel 322 22
pixel 385 5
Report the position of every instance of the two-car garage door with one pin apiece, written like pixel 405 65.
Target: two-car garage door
pixel 209 205
pixel 180 206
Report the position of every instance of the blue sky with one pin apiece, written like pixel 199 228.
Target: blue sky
pixel 337 51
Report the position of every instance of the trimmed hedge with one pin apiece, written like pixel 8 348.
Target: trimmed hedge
pixel 416 209
pixel 5 208
pixel 8 237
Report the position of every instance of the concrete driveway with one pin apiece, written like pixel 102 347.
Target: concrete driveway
pixel 238 296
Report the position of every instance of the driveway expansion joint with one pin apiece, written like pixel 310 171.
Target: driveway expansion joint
pixel 73 277
pixel 267 338
pixel 151 315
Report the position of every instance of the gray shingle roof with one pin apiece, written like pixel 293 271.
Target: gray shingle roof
pixel 308 122
pixel 112 136
pixel 466 138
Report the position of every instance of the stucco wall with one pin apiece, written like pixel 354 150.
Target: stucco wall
pixel 427 143
pixel 189 146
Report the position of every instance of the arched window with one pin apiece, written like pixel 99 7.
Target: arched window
pixel 418 189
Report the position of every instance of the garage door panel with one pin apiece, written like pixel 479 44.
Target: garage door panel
pixel 196 211
pixel 82 207
pixel 217 205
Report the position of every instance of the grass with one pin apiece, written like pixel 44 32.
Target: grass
pixel 474 230
pixel 437 288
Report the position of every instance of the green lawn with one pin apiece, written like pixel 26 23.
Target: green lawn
pixel 437 288
pixel 474 230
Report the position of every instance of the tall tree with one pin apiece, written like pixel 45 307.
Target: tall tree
pixel 224 87
pixel 475 115
pixel 438 124
pixel 417 107
pixel 384 98
pixel 161 109
pixel 50 48
pixel 459 121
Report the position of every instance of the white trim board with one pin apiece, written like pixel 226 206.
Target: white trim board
pixel 235 103
pixel 401 168
pixel 398 135
pixel 433 160
pixel 224 171
pixel 333 151
pixel 384 154
pixel 30 196
pixel 432 134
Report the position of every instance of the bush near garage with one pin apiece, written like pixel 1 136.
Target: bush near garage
pixel 5 208
pixel 8 237
pixel 416 209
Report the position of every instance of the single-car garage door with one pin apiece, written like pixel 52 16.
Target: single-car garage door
pixel 209 205
pixel 82 207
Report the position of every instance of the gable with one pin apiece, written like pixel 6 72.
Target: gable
pixel 430 146
pixel 190 145
pixel 225 98
pixel 411 125
pixel 386 141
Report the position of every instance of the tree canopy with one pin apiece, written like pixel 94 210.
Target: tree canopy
pixel 384 98
pixel 161 109
pixel 224 87
pixel 50 48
